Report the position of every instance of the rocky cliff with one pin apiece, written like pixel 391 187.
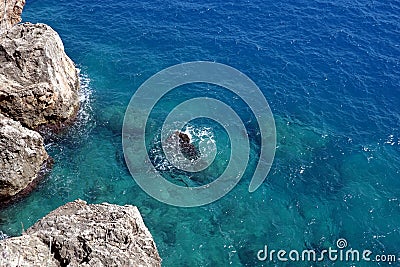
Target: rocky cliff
pixel 84 235
pixel 25 251
pixel 38 81
pixel 22 157
pixel 10 13
pixel 39 87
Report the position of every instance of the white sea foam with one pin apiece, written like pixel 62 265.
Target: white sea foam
pixel 3 235
pixel 85 99
pixel 202 137
pixel 84 121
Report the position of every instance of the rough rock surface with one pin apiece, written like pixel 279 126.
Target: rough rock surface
pixel 85 235
pixel 26 250
pixel 22 157
pixel 38 81
pixel 105 234
pixel 186 147
pixel 10 13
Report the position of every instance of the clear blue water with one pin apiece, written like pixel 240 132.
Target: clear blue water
pixel 331 73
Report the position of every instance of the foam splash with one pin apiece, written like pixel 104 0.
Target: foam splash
pixel 392 140
pixel 201 137
pixel 84 121
pixel 202 134
pixel 3 236
pixel 85 100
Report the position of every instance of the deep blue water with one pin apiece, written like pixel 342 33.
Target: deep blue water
pixel 331 73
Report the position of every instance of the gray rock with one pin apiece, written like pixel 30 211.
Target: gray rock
pixel 97 235
pixel 38 82
pixel 10 13
pixel 22 157
pixel 27 251
pixel 78 234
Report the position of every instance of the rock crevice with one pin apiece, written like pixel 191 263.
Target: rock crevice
pixel 22 158
pixel 10 13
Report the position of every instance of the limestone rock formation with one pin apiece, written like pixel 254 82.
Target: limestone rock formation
pixel 26 250
pixel 38 81
pixel 86 235
pixel 105 234
pixel 22 157
pixel 10 13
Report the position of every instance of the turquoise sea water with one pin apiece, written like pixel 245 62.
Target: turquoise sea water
pixel 331 74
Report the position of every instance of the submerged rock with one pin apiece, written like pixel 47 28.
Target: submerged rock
pixel 38 82
pixel 22 158
pixel 187 149
pixel 10 13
